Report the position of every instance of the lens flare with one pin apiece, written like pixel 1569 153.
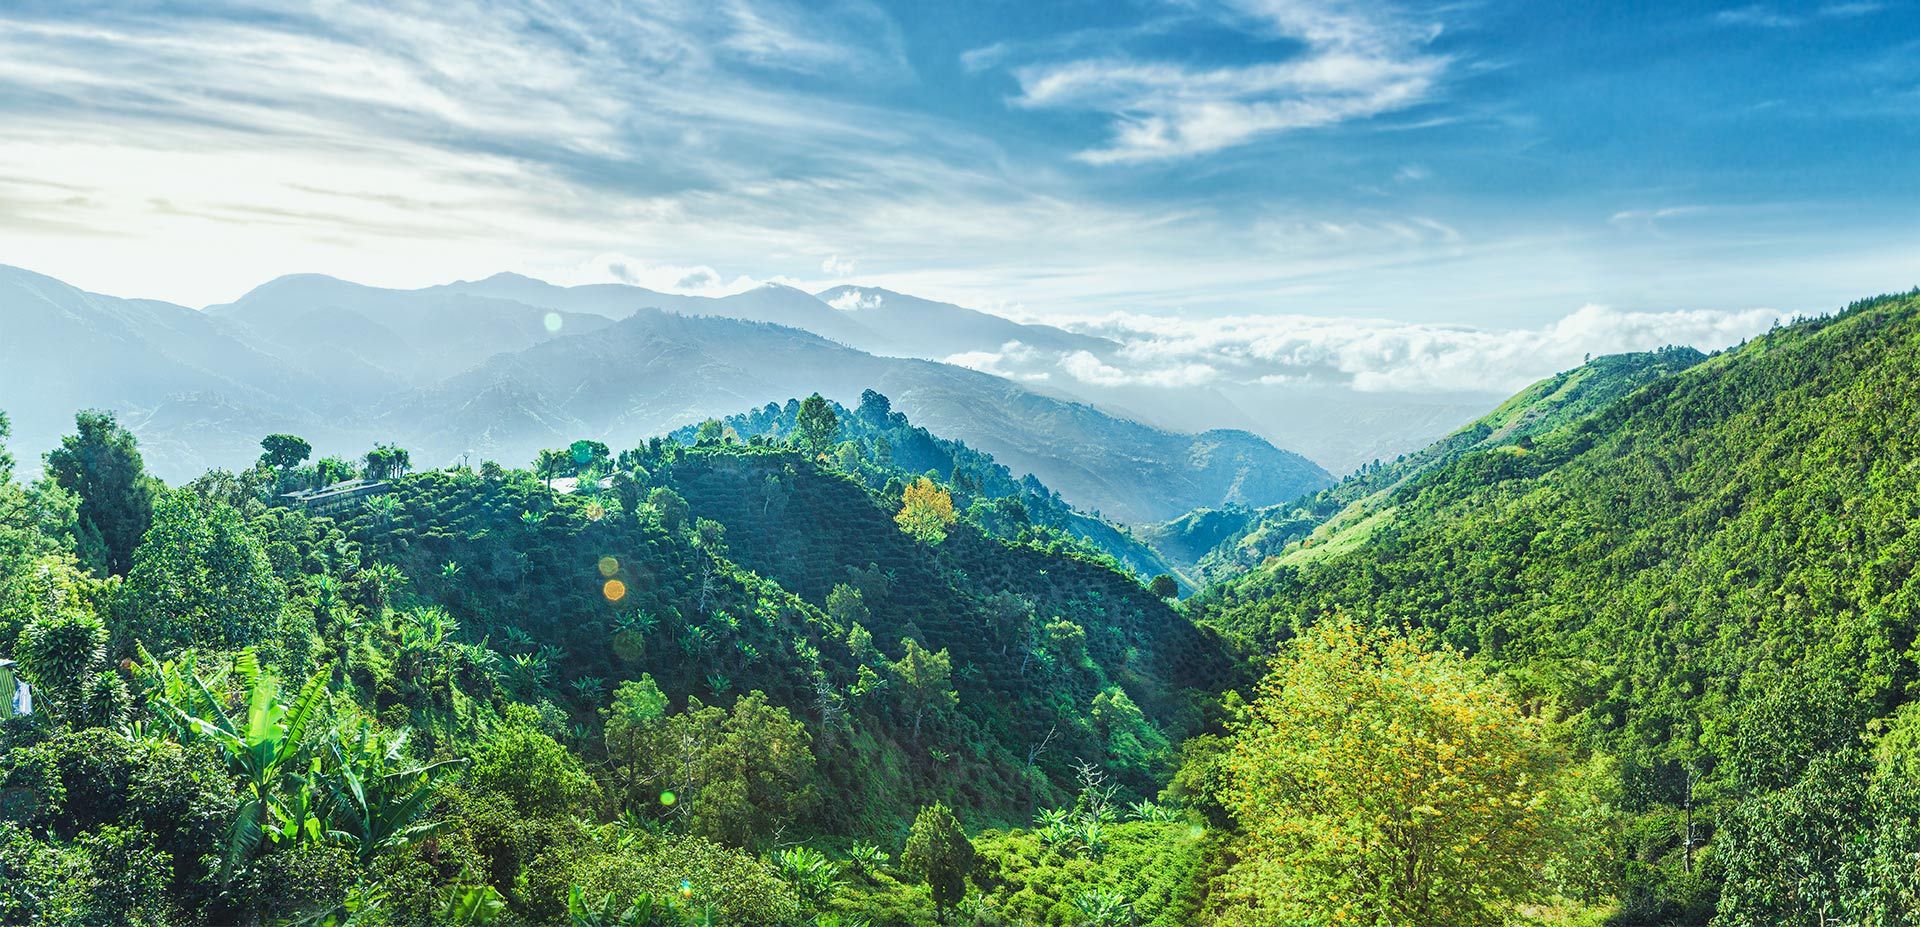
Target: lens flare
pixel 668 798
pixel 609 566
pixel 553 321
pixel 614 590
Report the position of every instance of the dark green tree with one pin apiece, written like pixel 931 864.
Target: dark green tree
pixel 387 461
pixel 588 455
pixel 200 579
pixel 874 408
pixel 101 464
pixel 939 853
pixel 551 463
pixel 284 452
pixel 670 506
pixel 1164 587
pixel 6 459
pixel 818 425
pixel 926 681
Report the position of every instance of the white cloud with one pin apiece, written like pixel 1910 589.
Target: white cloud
pixel 685 279
pixel 1767 17
pixel 857 300
pixel 836 267
pixel 1374 355
pixel 1356 64
pixel 1014 360
pixel 1085 367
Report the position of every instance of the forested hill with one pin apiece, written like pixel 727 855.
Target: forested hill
pixel 1713 579
pixel 628 673
pixel 880 446
pixel 1214 544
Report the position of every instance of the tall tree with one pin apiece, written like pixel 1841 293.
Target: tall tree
pixel 874 408
pixel 387 461
pixel 589 455
pixel 817 424
pixel 926 681
pixel 101 464
pixel 939 853
pixel 200 579
pixel 284 452
pixel 550 463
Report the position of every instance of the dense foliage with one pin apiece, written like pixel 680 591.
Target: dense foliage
pixel 1636 649
pixel 879 445
pixel 1217 543
pixel 488 695
pixel 1712 580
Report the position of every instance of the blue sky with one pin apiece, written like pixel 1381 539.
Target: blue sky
pixel 1496 164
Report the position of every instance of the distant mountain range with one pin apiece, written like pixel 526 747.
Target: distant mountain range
pixel 502 367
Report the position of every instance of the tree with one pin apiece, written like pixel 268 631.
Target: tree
pixel 926 681
pixel 330 470
pixel 874 408
pixel 925 511
pixel 6 459
pixel 263 748
pixel 101 464
pixel 200 579
pixel 817 425
pixel 1164 587
pixel 387 461
pixel 551 463
pixel 1836 847
pixel 939 853
pixel 63 655
pixel 670 506
pixel 638 705
pixel 847 606
pixel 735 777
pixel 284 452
pixel 374 799
pixel 1379 781
pixel 589 455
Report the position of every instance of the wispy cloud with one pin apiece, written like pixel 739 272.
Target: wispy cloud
pixel 1767 17
pixel 1356 63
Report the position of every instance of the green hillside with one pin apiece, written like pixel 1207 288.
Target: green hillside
pixel 1216 544
pixel 1712 581
pixel 679 660
pixel 1636 649
pixel 878 445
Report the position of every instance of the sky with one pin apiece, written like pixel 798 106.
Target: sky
pixel 1183 168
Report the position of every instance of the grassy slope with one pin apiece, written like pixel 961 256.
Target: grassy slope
pixel 1217 544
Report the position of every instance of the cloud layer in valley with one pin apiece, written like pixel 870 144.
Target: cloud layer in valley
pixel 1367 355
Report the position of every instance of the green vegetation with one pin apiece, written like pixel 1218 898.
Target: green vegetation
pixel 1219 543
pixel 882 449
pixel 1638 648
pixel 1709 583
pixel 676 694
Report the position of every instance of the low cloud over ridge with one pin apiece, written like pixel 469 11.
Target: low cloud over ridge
pixel 1368 355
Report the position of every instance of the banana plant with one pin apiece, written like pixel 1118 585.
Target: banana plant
pixel 263 747
pixel 374 799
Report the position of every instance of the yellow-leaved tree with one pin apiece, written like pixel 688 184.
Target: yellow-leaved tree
pixel 1380 781
pixel 925 511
